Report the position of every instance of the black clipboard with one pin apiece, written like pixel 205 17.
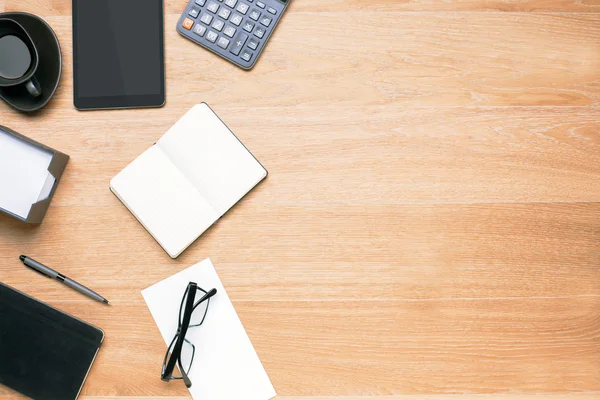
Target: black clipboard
pixel 44 352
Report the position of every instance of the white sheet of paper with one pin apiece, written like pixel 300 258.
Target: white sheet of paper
pixel 226 366
pixel 23 174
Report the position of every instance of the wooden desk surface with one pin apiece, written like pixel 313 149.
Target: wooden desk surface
pixel 430 225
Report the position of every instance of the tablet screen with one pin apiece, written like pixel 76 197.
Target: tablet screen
pixel 118 53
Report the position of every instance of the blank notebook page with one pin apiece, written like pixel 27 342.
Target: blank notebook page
pixel 212 158
pixel 164 201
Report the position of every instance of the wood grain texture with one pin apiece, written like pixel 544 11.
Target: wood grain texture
pixel 375 348
pixel 61 7
pixel 578 396
pixel 425 59
pixel 328 252
pixel 412 155
pixel 545 396
pixel 430 226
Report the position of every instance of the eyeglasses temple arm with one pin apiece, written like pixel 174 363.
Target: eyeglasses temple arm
pixel 207 296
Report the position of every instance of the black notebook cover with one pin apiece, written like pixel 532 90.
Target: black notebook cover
pixel 44 353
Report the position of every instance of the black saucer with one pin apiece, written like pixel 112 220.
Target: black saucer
pixel 50 64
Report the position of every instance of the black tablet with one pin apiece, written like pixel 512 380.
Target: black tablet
pixel 118 54
pixel 45 353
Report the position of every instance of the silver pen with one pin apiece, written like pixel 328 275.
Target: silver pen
pixel 50 273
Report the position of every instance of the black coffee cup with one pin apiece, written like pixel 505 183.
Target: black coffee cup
pixel 18 57
pixel 30 61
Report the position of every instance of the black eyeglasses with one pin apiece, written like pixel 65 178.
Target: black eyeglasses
pixel 181 351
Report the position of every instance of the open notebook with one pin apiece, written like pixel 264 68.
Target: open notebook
pixel 184 183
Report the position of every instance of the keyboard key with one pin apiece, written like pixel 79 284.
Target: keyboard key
pixel 212 36
pixel 206 18
pixel 223 42
pixel 199 30
pixel 259 33
pixel 238 43
pixel 201 3
pixel 272 10
pixel 255 15
pixel 266 21
pixel 187 23
pixel 213 7
pixel 218 25
pixel 253 44
pixel 246 55
pixel 231 3
pixel 248 26
pixel 260 4
pixel 236 19
pixel 229 31
pixel 194 12
pixel 243 8
pixel 224 13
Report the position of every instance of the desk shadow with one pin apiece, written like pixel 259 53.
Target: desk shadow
pixel 12 226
